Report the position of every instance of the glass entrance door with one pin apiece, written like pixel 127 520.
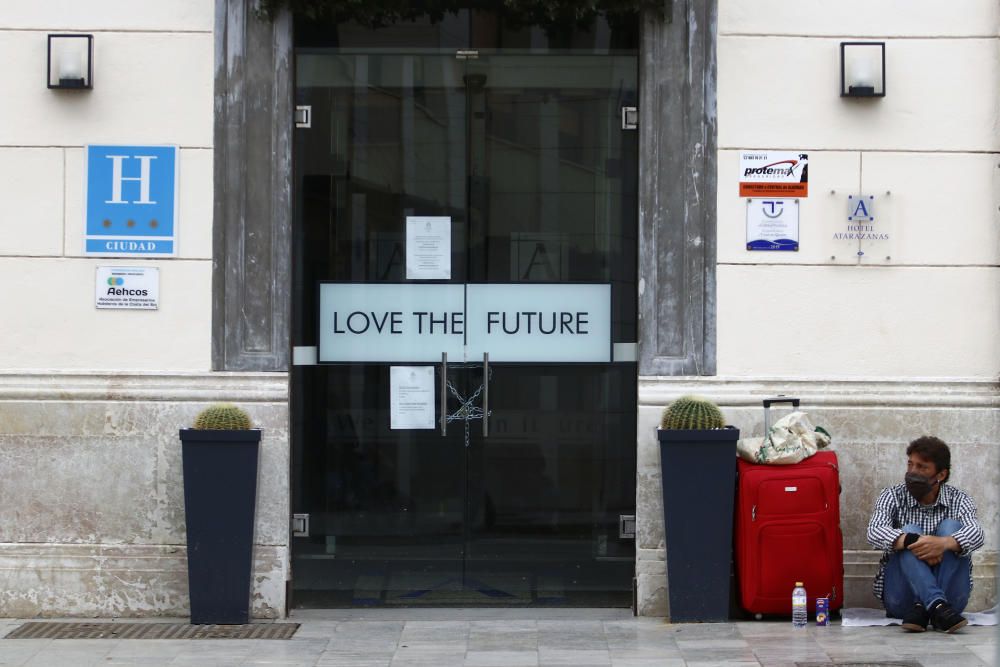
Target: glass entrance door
pixel 516 493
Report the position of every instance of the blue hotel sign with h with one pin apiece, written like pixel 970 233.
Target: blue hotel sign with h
pixel 131 201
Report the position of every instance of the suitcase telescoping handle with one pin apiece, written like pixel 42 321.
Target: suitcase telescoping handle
pixel 768 402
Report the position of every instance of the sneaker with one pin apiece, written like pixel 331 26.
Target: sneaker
pixel 916 619
pixel 947 619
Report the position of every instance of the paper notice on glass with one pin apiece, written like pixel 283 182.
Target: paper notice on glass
pixel 428 247
pixel 411 397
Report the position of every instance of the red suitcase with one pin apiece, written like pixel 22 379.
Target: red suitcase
pixel 787 530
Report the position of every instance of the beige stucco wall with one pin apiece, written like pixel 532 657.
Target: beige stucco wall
pixel 153 84
pixel 91 495
pixel 927 151
pixel 883 349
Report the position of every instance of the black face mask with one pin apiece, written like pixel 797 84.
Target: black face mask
pixel 918 485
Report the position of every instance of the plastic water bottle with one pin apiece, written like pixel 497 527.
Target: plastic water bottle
pixel 800 603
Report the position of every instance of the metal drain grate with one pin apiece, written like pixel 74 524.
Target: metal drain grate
pixel 42 630
pixel 863 663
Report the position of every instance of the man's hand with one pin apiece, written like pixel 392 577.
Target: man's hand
pixel 930 549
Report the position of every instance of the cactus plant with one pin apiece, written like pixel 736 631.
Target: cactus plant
pixel 692 413
pixel 223 416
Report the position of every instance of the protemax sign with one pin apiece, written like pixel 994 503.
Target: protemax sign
pixel 527 322
pixel 774 174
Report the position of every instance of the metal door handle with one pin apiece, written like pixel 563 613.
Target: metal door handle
pixel 444 393
pixel 486 394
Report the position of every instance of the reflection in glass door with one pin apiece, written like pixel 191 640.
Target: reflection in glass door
pixel 517 498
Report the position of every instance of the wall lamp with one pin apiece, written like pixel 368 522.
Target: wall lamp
pixel 862 69
pixel 71 62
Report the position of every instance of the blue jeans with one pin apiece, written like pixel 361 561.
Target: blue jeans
pixel 909 580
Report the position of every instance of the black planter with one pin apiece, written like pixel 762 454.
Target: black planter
pixel 699 480
pixel 220 495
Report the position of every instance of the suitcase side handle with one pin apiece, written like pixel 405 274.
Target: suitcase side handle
pixel 768 402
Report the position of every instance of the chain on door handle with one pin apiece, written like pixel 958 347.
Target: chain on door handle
pixel 485 389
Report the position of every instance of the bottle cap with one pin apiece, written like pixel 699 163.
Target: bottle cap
pixel 799 583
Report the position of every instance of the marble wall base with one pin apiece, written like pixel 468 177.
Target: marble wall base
pixel 110 581
pixel 91 491
pixel 871 423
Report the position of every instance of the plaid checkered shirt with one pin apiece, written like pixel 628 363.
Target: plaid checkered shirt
pixel 896 508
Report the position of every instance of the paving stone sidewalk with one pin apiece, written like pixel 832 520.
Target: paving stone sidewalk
pixel 520 638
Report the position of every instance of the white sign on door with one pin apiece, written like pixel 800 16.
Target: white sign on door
pixel 382 322
pixel 388 322
pixel 411 397
pixel 545 323
pixel 428 248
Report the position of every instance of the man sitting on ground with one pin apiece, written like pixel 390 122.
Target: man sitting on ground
pixel 928 531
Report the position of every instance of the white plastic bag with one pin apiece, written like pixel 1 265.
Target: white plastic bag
pixel 791 439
